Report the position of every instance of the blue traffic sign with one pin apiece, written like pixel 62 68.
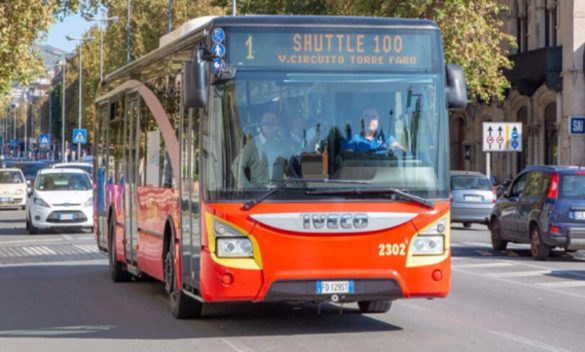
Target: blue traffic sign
pixel 80 135
pixel 218 35
pixel 514 143
pixel 577 124
pixel 218 50
pixel 44 140
pixel 217 65
pixel 515 134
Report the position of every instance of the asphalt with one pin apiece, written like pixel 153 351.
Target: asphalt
pixel 55 295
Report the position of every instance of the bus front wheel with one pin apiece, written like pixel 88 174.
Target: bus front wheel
pixel 182 306
pixel 375 306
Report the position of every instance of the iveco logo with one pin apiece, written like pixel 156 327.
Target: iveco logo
pixel 334 221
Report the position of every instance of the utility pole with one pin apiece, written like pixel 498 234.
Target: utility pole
pixel 80 112
pixel 128 28
pixel 63 113
pixel 170 16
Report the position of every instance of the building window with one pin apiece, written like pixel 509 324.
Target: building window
pixel 457 144
pixel 522 26
pixel 550 23
pixel 522 157
pixel 551 135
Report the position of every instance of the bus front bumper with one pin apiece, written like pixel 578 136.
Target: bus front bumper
pixel 232 284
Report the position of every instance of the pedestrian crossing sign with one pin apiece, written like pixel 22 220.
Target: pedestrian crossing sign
pixel 44 140
pixel 80 136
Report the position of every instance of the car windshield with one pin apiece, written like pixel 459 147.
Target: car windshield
pixel 10 177
pixel 470 182
pixel 86 168
pixel 572 186
pixel 63 182
pixel 383 129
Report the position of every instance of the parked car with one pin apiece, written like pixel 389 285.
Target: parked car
pixel 472 197
pixel 544 206
pixel 61 198
pixel 87 167
pixel 12 189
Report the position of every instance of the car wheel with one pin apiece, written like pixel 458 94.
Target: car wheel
pixel 498 243
pixel 467 225
pixel 375 306
pixel 32 230
pixel 538 249
pixel 117 272
pixel 182 306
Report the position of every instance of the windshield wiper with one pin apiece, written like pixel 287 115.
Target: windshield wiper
pixel 359 191
pixel 283 183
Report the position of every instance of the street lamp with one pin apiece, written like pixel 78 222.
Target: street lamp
pixel 81 40
pixel 102 20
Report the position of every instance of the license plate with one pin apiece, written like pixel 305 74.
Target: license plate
pixel 66 217
pixel 472 198
pixel 330 287
pixel 579 215
pixel 5 200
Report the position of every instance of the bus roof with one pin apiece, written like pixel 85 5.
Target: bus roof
pixel 179 43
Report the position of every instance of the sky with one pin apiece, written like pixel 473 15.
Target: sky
pixel 73 25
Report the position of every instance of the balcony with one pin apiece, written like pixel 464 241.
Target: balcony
pixel 533 68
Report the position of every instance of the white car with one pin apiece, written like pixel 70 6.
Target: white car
pixel 12 189
pixel 61 198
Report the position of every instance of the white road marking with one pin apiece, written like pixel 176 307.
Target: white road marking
pixel 87 248
pixel 520 273
pixel 38 250
pixel 480 265
pixel 477 244
pixel 529 342
pixel 563 284
pixel 235 348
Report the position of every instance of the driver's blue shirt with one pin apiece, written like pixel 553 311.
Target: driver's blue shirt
pixel 359 143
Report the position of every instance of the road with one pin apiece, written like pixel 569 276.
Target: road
pixel 55 295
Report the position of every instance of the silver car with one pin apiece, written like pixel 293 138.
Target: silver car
pixel 472 197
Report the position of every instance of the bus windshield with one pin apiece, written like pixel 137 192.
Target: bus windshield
pixel 384 129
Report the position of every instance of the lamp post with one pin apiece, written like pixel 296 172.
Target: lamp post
pixel 81 40
pixel 103 20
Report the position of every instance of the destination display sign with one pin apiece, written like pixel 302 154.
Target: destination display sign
pixel 333 49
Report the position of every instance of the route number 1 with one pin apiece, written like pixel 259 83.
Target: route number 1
pixel 250 45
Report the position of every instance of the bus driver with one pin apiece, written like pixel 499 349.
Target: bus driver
pixel 371 140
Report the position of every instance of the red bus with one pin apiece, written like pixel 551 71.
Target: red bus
pixel 280 158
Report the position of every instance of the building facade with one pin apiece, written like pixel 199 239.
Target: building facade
pixel 548 86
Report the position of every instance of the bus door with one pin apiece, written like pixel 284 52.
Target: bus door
pixel 131 124
pixel 101 160
pixel 190 226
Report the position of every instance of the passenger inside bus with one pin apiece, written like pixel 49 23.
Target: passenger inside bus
pixel 372 140
pixel 264 157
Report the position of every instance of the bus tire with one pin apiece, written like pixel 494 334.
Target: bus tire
pixel 117 271
pixel 375 306
pixel 182 306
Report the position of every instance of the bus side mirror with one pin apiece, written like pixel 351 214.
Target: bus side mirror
pixel 456 89
pixel 195 82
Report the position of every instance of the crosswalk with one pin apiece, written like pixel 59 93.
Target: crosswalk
pixel 50 252
pixel 561 274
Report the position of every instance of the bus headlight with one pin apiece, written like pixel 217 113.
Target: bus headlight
pixel 230 242
pixel 234 247
pixel 428 245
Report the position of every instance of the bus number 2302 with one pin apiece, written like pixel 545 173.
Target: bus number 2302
pixel 387 249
